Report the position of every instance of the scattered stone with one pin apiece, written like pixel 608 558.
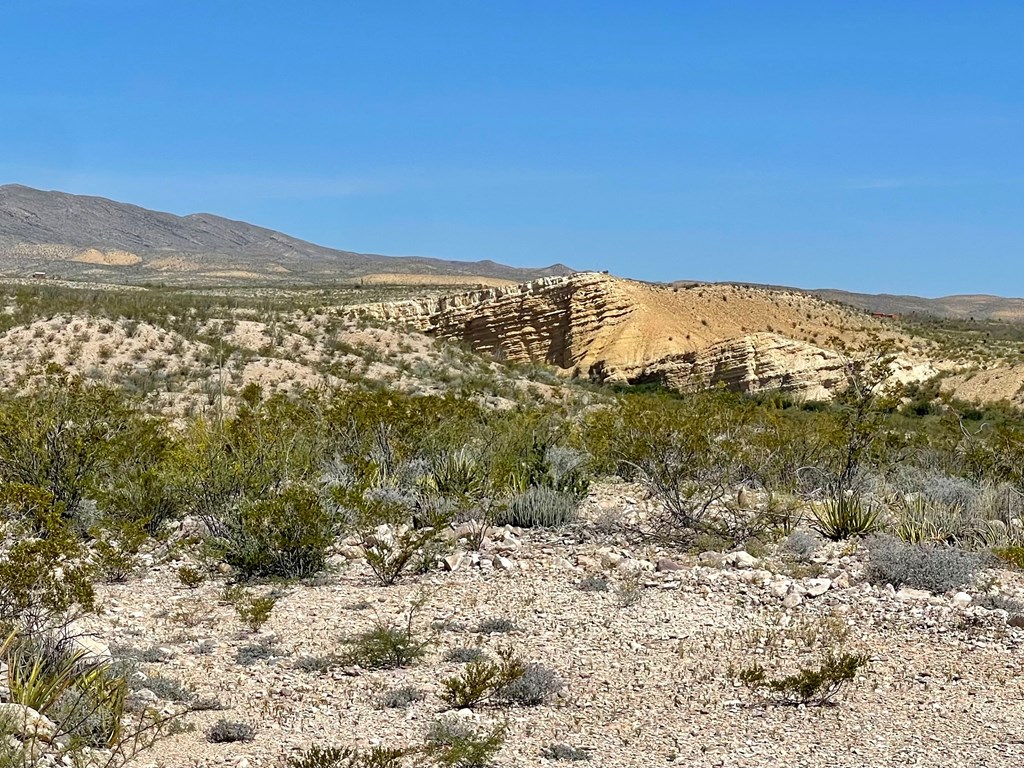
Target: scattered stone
pixel 666 564
pixel 817 587
pixel 908 595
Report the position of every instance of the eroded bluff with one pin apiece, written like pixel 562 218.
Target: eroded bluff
pixel 592 324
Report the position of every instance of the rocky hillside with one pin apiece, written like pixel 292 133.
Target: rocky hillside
pixel 91 238
pixel 593 324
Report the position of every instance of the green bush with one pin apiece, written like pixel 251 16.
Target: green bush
pixel 481 680
pixel 287 534
pixel 809 686
pixel 346 757
pixel 456 743
pixel 386 646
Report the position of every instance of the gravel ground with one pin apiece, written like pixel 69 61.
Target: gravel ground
pixel 644 682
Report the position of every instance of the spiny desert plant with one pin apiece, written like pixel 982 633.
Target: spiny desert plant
pixel 539 507
pixel 565 752
pixel 843 516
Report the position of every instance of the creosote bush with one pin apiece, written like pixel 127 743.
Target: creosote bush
pixel 481 680
pixel 455 743
pixel 809 686
pixel 386 645
pixel 346 757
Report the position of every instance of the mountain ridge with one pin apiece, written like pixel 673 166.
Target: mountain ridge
pixel 92 237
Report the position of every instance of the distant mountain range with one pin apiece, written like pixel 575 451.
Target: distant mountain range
pixel 961 307
pixel 77 237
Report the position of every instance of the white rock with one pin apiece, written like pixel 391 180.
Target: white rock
pixel 453 561
pixel 962 599
pixel 817 587
pixel 792 600
pixel 504 564
pixel 27 723
pixel 741 559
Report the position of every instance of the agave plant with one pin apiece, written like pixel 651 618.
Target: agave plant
pixel 842 516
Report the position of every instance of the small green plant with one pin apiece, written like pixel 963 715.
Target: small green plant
pixel 843 517
pixel 629 591
pixel 809 686
pixel 229 731
pixel 190 577
pixel 481 680
pixel 346 757
pixel 455 743
pixel 386 645
pixel 254 612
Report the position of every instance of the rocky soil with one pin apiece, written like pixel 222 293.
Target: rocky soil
pixel 648 664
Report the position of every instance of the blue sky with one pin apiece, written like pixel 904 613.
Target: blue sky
pixel 874 146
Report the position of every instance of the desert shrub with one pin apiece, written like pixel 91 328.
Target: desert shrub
pixel 386 646
pixel 191 577
pixel 565 752
pixel 629 590
pixel 463 655
pixel 496 625
pixel 42 578
pixel 845 516
pixel 115 550
pixel 390 551
pixel 456 743
pixel 596 583
pixel 346 757
pixel 481 680
pixel 168 689
pixel 255 611
pixel 229 731
pixel 801 544
pixel 934 568
pixel 400 698
pixel 539 507
pixel 532 688
pixel 809 686
pixel 251 653
pixel 286 534
pixel 65 437
pixel 1013 556
pixel 691 453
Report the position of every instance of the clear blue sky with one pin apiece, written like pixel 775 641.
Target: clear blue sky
pixel 873 146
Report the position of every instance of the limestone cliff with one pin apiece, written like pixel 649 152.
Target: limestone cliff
pixel 593 324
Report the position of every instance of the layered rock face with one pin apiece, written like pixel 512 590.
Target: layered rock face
pixel 609 329
pixel 756 363
pixel 553 320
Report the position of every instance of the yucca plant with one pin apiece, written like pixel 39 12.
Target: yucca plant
pixel 842 517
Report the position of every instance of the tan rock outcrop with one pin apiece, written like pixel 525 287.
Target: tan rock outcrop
pixel 593 324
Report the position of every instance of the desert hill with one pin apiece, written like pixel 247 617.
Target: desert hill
pixel 612 329
pixel 92 238
pixel 960 307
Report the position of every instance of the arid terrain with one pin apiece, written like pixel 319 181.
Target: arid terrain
pixel 644 628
